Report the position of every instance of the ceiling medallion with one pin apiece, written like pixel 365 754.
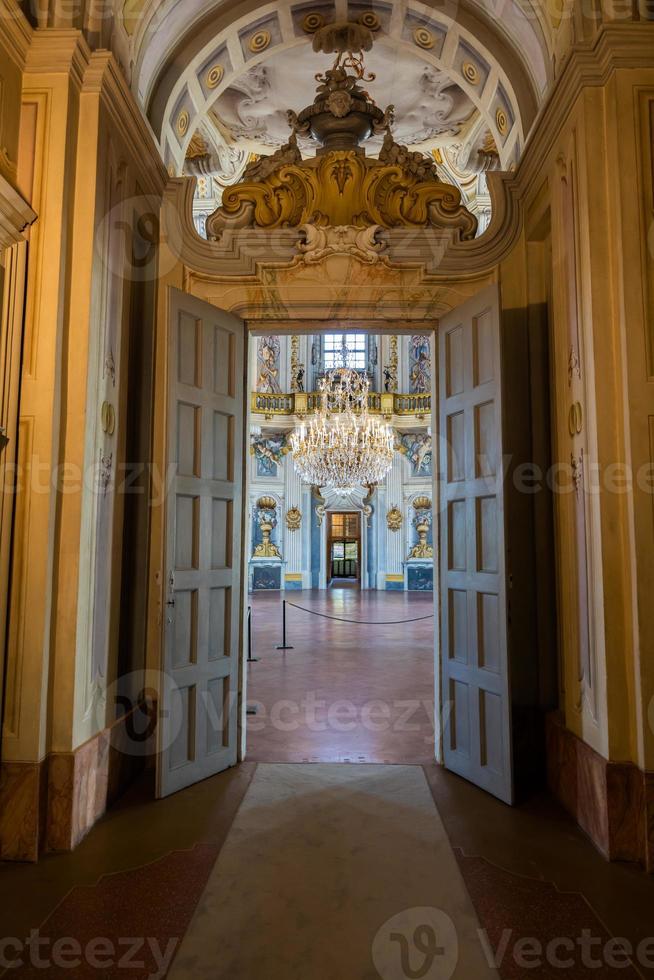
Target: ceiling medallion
pixel 215 76
pixel 183 121
pixel 259 41
pixel 340 185
pixel 424 38
pixel 342 447
pixel 470 72
pixel 313 22
pixel 502 122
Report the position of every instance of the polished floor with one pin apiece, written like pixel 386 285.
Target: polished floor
pixel 546 903
pixel 349 690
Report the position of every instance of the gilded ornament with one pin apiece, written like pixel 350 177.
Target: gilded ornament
pixel 267 520
pixel 422 549
pixel 108 418
pixel 259 41
pixel 215 76
pixel 424 38
pixel 470 72
pixel 575 419
pixel 370 20
pixel 183 121
pixel 293 518
pixel 394 518
pixel 422 522
pixel 502 121
pixel 312 22
pixel 422 503
pixel 341 186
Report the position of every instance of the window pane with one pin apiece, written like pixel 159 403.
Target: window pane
pixel 338 549
pixel 351 550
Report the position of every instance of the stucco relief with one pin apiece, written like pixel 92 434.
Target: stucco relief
pixel 429 105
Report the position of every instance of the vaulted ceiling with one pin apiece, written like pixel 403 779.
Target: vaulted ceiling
pixel 215 77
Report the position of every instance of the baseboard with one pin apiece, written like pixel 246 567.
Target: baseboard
pixel 613 802
pixel 51 805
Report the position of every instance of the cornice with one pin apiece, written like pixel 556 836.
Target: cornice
pixel 16 31
pixel 589 64
pixel 55 50
pixel 15 215
pixel 105 78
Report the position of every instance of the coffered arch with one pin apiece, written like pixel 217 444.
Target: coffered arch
pixel 488 72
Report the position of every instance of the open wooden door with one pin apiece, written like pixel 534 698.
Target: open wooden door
pixel 198 729
pixel 475 666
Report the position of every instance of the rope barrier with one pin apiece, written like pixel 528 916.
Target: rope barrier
pixel 360 622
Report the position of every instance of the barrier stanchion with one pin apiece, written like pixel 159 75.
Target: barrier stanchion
pixel 251 659
pixel 284 645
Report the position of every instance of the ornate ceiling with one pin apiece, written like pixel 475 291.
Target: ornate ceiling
pixel 217 76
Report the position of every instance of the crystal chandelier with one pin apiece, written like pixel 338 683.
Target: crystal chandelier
pixel 342 447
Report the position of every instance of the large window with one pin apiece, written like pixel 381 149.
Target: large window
pixel 356 349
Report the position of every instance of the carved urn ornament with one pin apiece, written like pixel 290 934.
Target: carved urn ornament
pixel 340 186
pixel 267 521
pixel 422 523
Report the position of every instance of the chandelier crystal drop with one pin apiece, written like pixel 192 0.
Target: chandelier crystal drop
pixel 342 447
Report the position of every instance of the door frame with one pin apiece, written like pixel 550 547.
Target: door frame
pixel 389 327
pixel 254 328
pixel 329 515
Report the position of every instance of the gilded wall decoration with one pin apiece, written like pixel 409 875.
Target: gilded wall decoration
pixel 416 446
pixel 342 188
pixel 394 518
pixel 268 365
pixel 266 518
pixel 419 365
pixel 293 518
pixel 422 523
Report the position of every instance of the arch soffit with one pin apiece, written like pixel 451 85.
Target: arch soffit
pixel 221 40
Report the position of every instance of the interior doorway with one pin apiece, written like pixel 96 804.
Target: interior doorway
pixel 344 549
pixel 462 516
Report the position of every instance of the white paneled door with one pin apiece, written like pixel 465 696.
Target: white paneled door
pixel 198 729
pixel 475 668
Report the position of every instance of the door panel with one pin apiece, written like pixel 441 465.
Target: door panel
pixel 475 669
pixel 198 735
